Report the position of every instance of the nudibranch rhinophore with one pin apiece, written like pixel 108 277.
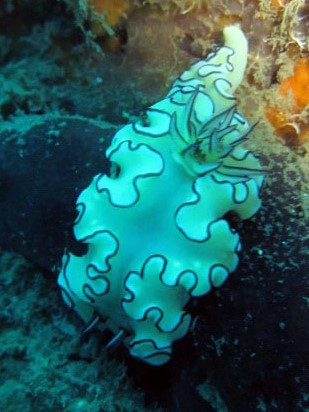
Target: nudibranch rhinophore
pixel 155 231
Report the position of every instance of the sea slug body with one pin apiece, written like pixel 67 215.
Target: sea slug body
pixel 156 232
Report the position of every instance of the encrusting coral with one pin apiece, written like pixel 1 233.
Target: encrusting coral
pixel 155 231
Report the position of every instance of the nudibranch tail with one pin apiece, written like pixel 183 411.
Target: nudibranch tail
pixel 156 230
pixel 235 39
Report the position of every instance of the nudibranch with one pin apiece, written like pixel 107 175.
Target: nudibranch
pixel 156 230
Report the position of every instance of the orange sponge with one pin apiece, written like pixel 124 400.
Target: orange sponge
pixel 298 84
pixel 113 10
pixel 286 122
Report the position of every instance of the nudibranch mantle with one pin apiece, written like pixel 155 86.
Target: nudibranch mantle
pixel 155 231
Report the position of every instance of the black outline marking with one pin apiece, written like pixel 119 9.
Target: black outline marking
pixel 196 201
pixel 189 203
pixel 221 133
pixel 196 120
pixel 193 78
pixel 233 184
pixel 99 277
pixel 150 109
pixel 247 192
pixel 96 277
pixel 225 64
pixel 240 118
pixel 260 171
pixel 179 276
pixel 212 53
pixel 101 231
pixel 244 169
pixel 173 128
pixel 210 170
pixel 227 97
pixel 244 155
pixel 243 136
pixel 128 300
pixel 173 101
pixel 184 103
pixel 151 341
pixel 161 316
pixel 179 88
pixel 135 179
pixel 206 64
pixel 211 269
pixel 80 212
pixel 157 351
pixel 214 122
pixel 141 275
pixel 229 57
pixel 87 287
pixel 208 231
pixel 67 256
pixel 189 109
pixel 189 117
pixel 209 73
pixel 153 355
pixel 205 94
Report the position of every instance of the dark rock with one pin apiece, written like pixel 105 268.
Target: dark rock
pixel 42 173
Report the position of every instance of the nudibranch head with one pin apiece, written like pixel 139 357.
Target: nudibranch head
pixel 155 231
pixel 204 147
